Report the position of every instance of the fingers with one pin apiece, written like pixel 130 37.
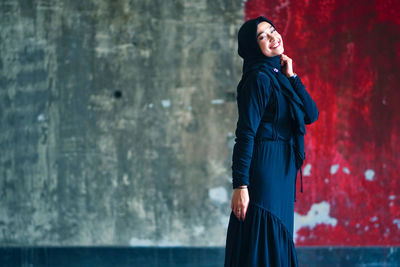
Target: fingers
pixel 287 65
pixel 237 213
pixel 243 213
pixel 240 211
pixel 285 59
pixel 240 201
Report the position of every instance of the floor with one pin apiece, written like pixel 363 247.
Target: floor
pixel 185 256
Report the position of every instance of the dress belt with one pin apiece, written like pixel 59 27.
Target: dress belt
pixel 292 148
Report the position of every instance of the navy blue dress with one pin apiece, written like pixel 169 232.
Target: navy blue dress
pixel 264 159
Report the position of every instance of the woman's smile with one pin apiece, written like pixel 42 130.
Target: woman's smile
pixel 275 45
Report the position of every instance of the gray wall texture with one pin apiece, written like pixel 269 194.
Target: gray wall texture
pixel 117 121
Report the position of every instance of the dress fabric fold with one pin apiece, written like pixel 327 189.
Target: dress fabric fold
pixel 246 241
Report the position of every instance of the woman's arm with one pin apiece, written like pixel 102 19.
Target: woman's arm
pixel 310 108
pixel 252 99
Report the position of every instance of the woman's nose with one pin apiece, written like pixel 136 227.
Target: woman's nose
pixel 273 38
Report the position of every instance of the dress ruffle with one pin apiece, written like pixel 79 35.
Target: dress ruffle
pixel 260 240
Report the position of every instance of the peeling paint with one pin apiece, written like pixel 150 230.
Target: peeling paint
pixel 334 168
pixel 307 170
pixel 217 101
pixel 373 219
pixel 318 214
pixel 218 195
pixel 346 170
pixel 41 117
pixel 397 222
pixel 369 175
pixel 166 103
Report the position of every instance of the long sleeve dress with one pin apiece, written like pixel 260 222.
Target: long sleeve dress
pixel 264 159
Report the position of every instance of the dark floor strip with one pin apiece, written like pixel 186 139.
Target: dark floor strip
pixel 185 256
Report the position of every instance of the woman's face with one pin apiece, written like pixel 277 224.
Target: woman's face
pixel 269 40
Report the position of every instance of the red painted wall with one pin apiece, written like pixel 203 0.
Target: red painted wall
pixel 348 55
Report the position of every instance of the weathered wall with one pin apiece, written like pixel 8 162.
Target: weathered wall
pixel 116 121
pixel 348 53
pixel 82 166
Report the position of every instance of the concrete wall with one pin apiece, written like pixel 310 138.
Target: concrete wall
pixel 117 121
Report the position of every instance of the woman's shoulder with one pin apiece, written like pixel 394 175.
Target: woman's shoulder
pixel 258 78
pixel 255 83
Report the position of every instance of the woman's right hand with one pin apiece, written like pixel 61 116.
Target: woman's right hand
pixel 240 202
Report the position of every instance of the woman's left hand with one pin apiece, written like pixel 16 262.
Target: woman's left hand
pixel 287 65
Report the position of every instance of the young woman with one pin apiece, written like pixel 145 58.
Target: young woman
pixel 274 107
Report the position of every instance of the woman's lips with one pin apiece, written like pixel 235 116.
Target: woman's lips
pixel 275 45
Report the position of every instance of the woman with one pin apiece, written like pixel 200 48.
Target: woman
pixel 274 107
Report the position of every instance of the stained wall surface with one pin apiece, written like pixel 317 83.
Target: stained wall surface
pixel 347 53
pixel 117 120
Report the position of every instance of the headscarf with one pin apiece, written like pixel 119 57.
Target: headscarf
pixel 254 59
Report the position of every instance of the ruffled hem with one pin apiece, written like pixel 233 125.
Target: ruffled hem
pixel 260 240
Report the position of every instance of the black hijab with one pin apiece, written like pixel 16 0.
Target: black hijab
pixel 255 60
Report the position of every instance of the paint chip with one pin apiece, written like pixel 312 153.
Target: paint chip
pixel 318 214
pixel 166 103
pixel 373 219
pixel 392 197
pixel 334 168
pixel 369 174
pixel 150 105
pixel 307 170
pixel 218 194
pixel 346 170
pixel 41 117
pixel 217 101
pixel 397 222
pixel 326 180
